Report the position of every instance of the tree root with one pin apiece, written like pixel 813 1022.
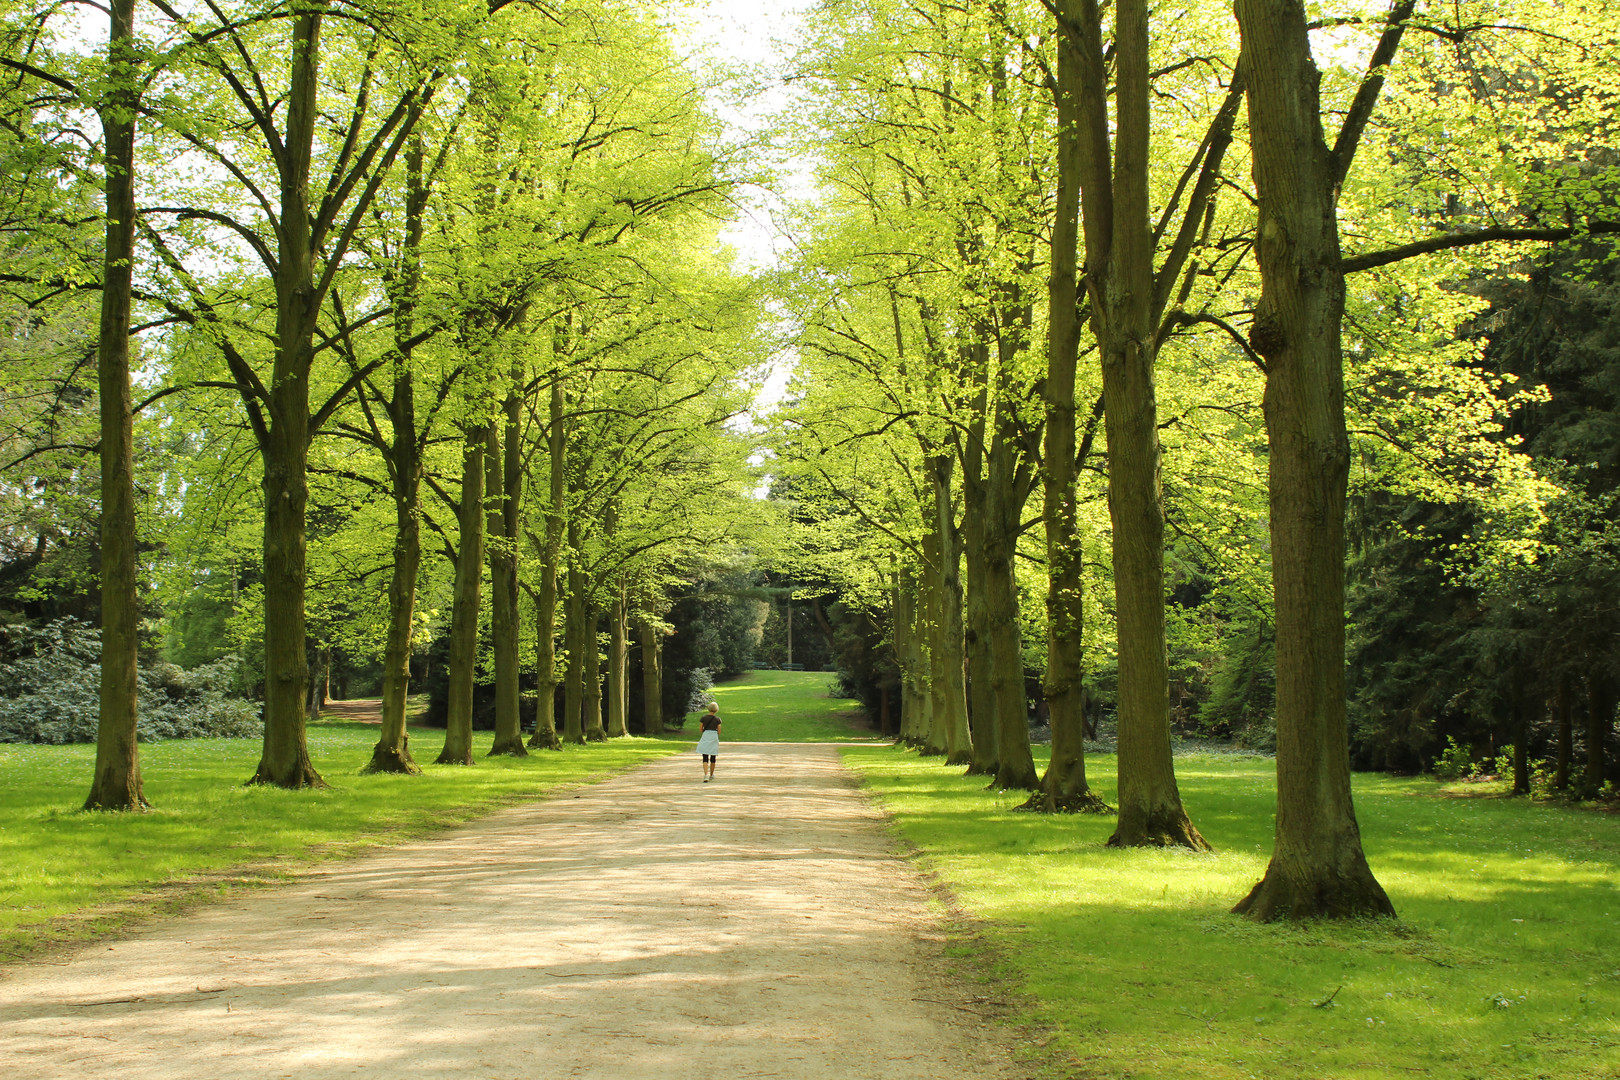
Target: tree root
pixel 1316 892
pixel 1161 827
pixel 1085 802
pixel 511 747
pixel 388 759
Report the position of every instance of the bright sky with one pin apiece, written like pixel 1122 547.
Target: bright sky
pixel 760 34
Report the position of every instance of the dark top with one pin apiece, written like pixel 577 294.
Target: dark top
pixel 711 722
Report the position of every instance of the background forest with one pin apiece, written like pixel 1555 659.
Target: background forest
pixel 399 349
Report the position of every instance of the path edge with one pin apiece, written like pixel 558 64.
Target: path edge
pixel 74 931
pixel 981 959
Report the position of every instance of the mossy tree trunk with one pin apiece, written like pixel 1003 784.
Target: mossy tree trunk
pixel 652 677
pixel 1317 868
pixel 976 637
pixel 284 429
pixel 1064 787
pixel 618 683
pixel 1599 718
pixel 116 783
pixel 504 482
pixel 594 732
pixel 1015 763
pixel 404 455
pixel 464 610
pixel 545 723
pixel 950 634
pixel 1111 158
pixel 577 636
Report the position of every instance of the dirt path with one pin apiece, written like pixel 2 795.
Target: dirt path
pixel 650 926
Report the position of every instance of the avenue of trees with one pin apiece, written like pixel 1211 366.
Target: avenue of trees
pixel 1142 315
pixel 1242 370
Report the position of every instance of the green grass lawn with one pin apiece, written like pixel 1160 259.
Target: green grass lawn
pixel 1505 962
pixel 783 706
pixel 65 873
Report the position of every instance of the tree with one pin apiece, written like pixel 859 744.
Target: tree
pixel 117 781
pixel 1318 867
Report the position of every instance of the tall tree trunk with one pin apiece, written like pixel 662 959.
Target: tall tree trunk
pixel 392 752
pixel 580 636
pixel 593 677
pixel 1317 866
pixel 545 724
pixel 652 677
pixel 930 608
pixel 464 610
pixel 1120 249
pixel 1521 754
pixel 982 720
pixel 1015 763
pixel 504 480
pixel 116 783
pixel 913 690
pixel 618 721
pixel 1566 732
pixel 1599 713
pixel 952 665
pixel 284 442
pixel 1064 788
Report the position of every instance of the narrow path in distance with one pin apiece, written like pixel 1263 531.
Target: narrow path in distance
pixel 650 925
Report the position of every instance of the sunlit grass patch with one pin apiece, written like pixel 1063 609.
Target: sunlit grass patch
pixel 64 872
pixel 783 706
pixel 1505 962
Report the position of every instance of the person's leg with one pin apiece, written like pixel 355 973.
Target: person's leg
pixel 714 759
pixel 703 763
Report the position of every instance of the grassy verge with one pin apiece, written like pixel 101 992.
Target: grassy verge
pixel 66 874
pixel 783 706
pixel 1505 963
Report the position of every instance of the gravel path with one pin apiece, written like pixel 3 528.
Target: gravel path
pixel 651 926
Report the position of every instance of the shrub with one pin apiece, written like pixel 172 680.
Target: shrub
pixel 50 691
pixel 1455 762
pixel 701 682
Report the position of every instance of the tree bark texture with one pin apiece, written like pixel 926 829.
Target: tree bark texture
pixel 392 752
pixel 908 656
pixel 1064 788
pixel 1317 868
pixel 464 610
pixel 950 634
pixel 1120 251
pixel 116 783
pixel 982 726
pixel 503 471
pixel 930 608
pixel 1566 733
pixel 1015 763
pixel 1599 717
pixel 579 638
pixel 618 682
pixel 1521 755
pixel 652 677
pixel 284 444
pixel 594 731
pixel 545 723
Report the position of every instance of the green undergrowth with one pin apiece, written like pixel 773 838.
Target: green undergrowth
pixel 1504 964
pixel 783 706
pixel 66 874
